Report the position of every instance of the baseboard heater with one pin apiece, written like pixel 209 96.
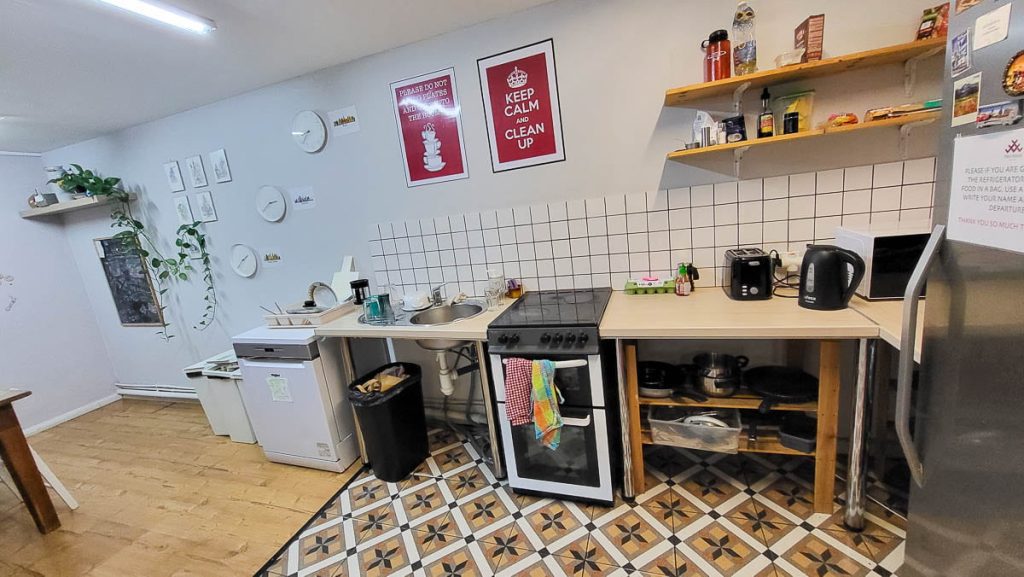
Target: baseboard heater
pixel 157 391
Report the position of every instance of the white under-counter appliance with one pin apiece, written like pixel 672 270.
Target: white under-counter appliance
pixel 297 401
pixel 890 252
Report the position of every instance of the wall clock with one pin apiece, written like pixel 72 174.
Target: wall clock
pixel 309 131
pixel 271 204
pixel 243 260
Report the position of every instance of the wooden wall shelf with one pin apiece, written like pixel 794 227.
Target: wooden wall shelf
pixel 67 206
pixel 738 148
pixel 900 53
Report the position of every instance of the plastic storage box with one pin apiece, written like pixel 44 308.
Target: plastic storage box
pixel 668 428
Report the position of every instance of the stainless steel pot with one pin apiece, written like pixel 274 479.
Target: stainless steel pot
pixel 718 374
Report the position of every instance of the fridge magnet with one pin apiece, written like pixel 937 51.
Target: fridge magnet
pixel 960 53
pixel 999 114
pixel 221 170
pixel 173 174
pixel 992 27
pixel 183 209
pixel 344 120
pixel 430 128
pixel 196 172
pixel 966 99
pixel 524 119
pixel 1013 76
pixel 934 23
pixel 207 212
pixel 303 198
pixel 130 284
pixel 271 257
pixel 962 5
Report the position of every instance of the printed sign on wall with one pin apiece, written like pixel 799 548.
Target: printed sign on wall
pixel 430 128
pixel 986 204
pixel 520 92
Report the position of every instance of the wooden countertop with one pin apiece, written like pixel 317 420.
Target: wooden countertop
pixel 473 329
pixel 708 313
pixel 888 315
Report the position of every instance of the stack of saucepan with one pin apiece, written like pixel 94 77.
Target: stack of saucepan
pixel 721 375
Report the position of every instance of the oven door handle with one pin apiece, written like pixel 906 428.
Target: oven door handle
pixel 573 422
pixel 564 364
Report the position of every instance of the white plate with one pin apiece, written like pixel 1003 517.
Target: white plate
pixel 423 308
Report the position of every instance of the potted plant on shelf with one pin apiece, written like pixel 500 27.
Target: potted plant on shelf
pixel 190 243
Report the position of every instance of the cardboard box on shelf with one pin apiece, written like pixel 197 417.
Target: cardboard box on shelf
pixel 810 35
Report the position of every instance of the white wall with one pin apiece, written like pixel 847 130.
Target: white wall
pixel 49 340
pixel 615 59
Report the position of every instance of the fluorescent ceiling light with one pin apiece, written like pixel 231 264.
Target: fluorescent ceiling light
pixel 166 14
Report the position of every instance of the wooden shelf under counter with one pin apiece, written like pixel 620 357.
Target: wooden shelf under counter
pixel 738 401
pixel 767 443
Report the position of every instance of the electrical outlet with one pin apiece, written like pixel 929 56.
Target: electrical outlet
pixel 792 259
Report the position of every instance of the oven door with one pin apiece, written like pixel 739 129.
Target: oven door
pixel 580 467
pixel 578 378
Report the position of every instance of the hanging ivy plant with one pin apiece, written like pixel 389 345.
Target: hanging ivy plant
pixel 190 243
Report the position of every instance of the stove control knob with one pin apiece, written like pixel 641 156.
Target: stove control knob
pixel 570 339
pixel 513 339
pixel 558 339
pixel 503 339
pixel 583 339
pixel 545 338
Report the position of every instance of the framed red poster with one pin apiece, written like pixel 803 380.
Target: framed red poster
pixel 430 128
pixel 520 92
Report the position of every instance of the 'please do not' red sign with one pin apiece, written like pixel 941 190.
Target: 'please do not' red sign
pixel 430 128
pixel 520 93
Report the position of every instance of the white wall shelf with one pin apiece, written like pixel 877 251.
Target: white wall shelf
pixel 67 206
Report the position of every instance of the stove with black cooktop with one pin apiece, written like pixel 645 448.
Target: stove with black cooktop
pixel 550 322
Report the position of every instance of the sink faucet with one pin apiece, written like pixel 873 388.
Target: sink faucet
pixel 437 295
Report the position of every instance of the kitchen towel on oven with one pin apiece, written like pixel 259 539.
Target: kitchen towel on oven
pixel 547 420
pixel 518 388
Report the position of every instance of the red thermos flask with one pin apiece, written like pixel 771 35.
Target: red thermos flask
pixel 717 56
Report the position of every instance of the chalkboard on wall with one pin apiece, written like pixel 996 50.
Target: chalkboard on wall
pixel 130 284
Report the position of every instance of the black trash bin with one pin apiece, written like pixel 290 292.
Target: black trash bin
pixel 393 423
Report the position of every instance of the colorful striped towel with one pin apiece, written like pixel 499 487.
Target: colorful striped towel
pixel 547 421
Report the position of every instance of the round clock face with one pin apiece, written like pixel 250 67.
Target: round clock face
pixel 243 260
pixel 270 203
pixel 309 131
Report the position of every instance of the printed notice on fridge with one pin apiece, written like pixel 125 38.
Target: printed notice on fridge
pixel 303 197
pixel 992 27
pixel 430 128
pixel 986 204
pixel 520 93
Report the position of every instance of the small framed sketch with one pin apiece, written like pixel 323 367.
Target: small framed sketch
pixel 221 170
pixel 207 212
pixel 173 174
pixel 183 209
pixel 196 172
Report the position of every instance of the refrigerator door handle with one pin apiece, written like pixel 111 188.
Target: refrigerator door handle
pixel 908 342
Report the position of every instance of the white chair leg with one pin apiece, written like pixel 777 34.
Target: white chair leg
pixel 52 480
pixel 6 479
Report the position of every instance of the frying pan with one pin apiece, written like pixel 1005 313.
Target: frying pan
pixel 781 385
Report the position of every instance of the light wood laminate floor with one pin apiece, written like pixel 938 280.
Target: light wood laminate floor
pixel 160 496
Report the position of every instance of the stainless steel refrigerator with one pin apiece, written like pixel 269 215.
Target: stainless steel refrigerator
pixel 965 443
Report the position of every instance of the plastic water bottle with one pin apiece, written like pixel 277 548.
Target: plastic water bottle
pixel 743 39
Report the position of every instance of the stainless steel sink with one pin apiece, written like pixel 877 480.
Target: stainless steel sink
pixel 444 315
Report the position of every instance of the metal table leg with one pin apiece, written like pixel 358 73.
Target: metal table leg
pixel 856 482
pixel 628 490
pixel 492 423
pixel 349 367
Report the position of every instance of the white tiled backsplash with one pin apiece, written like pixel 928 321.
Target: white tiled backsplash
pixel 603 242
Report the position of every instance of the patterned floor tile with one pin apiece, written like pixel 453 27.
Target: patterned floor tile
pixel 387 557
pixel 722 548
pixel 702 515
pixel 814 556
